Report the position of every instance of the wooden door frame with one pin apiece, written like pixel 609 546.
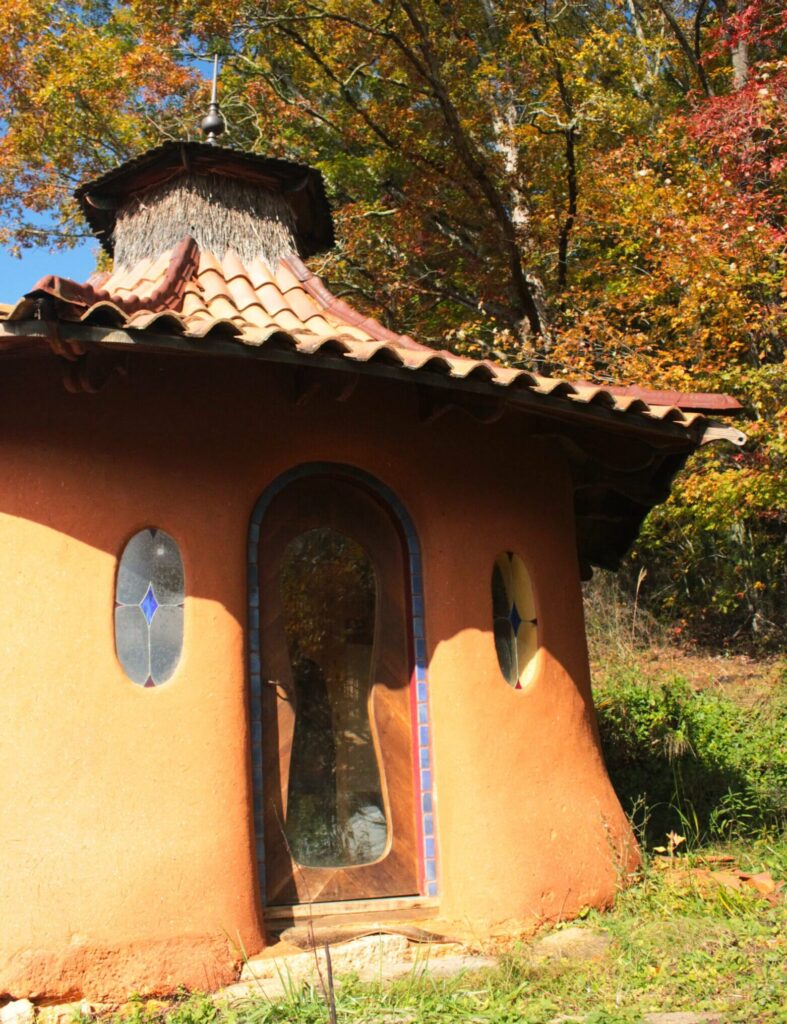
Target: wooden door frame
pixel 419 687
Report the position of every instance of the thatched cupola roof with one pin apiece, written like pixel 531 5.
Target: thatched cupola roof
pixel 226 200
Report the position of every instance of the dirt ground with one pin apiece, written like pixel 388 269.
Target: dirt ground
pixel 745 679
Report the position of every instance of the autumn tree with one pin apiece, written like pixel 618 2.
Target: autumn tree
pixel 588 188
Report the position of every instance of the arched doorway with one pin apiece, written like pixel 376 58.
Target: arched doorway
pixel 341 756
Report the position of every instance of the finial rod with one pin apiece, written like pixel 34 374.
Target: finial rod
pixel 215 89
pixel 213 124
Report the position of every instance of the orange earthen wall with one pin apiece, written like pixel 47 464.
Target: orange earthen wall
pixel 126 851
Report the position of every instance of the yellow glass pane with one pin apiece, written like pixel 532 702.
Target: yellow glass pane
pixel 522 589
pixel 526 647
pixel 514 618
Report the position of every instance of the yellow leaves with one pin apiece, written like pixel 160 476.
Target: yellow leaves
pixel 684 268
pixel 86 87
pixel 673 842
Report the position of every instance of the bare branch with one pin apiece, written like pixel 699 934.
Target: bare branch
pixel 477 169
pixel 686 46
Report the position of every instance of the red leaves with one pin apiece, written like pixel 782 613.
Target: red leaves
pixel 746 131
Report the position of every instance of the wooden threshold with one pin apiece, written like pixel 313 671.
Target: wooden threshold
pixel 385 907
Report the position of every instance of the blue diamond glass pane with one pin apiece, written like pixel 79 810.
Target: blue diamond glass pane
pixel 149 604
pixel 515 619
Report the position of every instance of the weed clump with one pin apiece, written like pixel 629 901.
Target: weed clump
pixel 696 762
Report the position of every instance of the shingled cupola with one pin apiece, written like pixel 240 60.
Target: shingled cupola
pixel 224 199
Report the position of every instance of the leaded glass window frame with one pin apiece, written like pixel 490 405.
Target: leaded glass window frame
pixel 150 597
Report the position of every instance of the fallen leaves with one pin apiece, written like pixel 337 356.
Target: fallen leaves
pixel 708 880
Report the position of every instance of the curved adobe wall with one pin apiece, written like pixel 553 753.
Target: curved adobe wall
pixel 530 826
pixel 127 837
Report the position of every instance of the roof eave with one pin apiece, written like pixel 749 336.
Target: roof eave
pixel 659 431
pixel 613 493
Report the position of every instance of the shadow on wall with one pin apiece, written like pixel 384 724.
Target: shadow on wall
pixel 190 452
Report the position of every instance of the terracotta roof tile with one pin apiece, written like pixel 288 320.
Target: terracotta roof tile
pixel 193 302
pixel 286 278
pixel 257 318
pixel 288 321
pixel 260 273
pixel 303 305
pixel 212 285
pixel 192 293
pixel 221 307
pixel 271 298
pixel 242 293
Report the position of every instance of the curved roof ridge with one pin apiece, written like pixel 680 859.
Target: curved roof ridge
pixel 318 290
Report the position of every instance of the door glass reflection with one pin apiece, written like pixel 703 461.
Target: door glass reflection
pixel 335 811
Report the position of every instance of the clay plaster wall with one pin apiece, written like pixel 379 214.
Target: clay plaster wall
pixel 125 844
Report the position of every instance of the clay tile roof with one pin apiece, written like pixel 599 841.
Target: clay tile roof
pixel 195 295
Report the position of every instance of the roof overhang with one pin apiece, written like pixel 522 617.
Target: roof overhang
pixel 621 464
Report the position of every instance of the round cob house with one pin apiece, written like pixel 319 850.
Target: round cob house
pixel 294 621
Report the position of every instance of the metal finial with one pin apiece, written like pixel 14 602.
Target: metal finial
pixel 213 124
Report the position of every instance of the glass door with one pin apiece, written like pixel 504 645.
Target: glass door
pixel 339 810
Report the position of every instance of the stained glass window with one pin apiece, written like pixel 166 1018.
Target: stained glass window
pixel 149 596
pixel 514 613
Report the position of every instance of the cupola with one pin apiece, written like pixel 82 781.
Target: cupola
pixel 225 199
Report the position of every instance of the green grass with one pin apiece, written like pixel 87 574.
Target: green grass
pixel 695 761
pixel 681 758
pixel 675 946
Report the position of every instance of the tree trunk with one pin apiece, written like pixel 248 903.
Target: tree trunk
pixel 740 53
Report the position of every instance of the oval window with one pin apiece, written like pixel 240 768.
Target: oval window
pixel 149 597
pixel 515 623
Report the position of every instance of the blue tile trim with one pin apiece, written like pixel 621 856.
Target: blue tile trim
pixel 425 801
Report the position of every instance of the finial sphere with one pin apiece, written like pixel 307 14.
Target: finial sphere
pixel 213 123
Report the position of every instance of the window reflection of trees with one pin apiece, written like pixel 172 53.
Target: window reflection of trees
pixel 335 811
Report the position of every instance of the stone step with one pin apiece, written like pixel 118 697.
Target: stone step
pixel 374 958
pixel 347 958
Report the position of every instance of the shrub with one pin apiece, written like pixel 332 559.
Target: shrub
pixel 714 552
pixel 695 760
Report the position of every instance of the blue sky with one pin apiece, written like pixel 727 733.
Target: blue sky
pixel 18 276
